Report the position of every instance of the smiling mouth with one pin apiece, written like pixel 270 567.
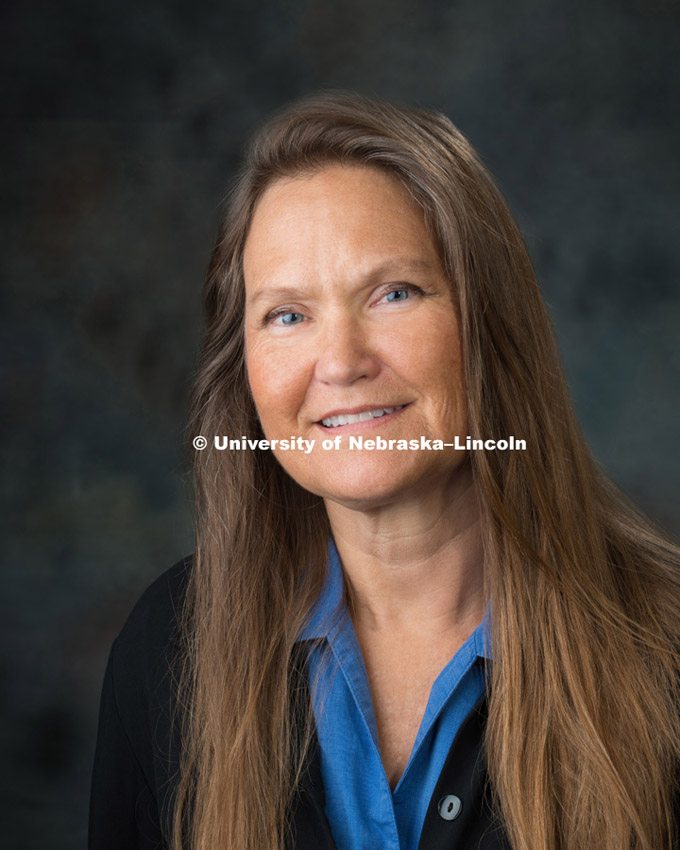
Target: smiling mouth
pixel 364 416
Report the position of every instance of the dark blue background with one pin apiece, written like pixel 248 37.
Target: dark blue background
pixel 121 125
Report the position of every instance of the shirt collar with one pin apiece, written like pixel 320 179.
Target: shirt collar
pixel 330 603
pixel 330 606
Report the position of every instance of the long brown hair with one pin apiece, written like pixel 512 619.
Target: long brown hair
pixel 583 736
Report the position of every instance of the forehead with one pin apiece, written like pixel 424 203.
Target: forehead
pixel 338 214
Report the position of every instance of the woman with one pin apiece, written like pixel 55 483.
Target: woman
pixel 359 626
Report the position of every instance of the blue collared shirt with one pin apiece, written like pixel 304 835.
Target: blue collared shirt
pixel 363 811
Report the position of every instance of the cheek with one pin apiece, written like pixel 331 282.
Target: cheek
pixel 275 384
pixel 429 355
pixel 447 375
pixel 432 363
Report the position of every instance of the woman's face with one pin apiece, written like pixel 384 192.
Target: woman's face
pixel 349 312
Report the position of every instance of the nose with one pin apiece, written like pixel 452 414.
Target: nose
pixel 346 353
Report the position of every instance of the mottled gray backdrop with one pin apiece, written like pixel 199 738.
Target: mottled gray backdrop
pixel 121 124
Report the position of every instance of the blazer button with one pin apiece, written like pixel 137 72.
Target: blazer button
pixel 450 807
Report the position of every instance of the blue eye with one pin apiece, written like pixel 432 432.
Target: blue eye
pixel 290 318
pixel 399 295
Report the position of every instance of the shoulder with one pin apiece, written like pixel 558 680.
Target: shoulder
pixel 154 620
pixel 138 745
pixel 143 656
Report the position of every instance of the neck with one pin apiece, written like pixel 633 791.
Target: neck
pixel 415 566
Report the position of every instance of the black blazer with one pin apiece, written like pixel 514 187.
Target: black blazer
pixel 137 753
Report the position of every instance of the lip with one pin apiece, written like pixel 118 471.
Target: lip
pixel 352 411
pixel 360 426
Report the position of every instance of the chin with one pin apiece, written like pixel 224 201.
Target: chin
pixel 366 488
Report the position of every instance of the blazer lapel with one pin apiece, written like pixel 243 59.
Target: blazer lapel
pixel 463 784
pixel 310 829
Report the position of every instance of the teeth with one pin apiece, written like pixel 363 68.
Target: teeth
pixel 351 418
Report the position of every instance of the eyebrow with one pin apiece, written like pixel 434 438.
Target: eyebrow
pixel 397 264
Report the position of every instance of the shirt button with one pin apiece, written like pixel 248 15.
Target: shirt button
pixel 450 807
